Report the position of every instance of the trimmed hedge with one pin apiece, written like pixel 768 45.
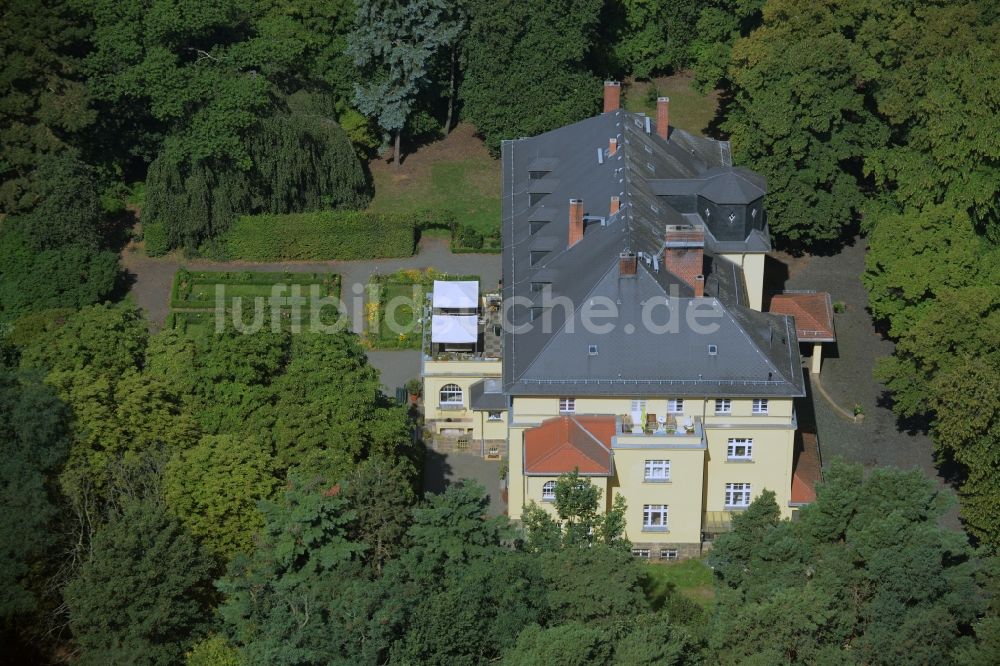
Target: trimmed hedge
pixel 322 235
pixel 184 282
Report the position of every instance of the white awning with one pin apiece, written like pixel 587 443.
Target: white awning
pixel 454 328
pixel 456 295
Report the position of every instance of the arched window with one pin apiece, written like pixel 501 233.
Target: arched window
pixel 549 491
pixel 451 394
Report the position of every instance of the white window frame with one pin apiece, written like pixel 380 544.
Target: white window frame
pixel 675 406
pixel 738 495
pixel 494 415
pixel 567 405
pixel 641 553
pixel 655 518
pixel 656 471
pixel 668 553
pixel 549 491
pixel 759 406
pixel 733 446
pixel 723 406
pixel 451 390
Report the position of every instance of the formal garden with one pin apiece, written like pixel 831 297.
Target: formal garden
pixel 393 308
pixel 195 296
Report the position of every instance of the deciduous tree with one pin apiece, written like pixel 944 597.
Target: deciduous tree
pixel 214 488
pixel 527 68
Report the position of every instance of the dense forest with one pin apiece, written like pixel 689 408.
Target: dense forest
pixel 170 498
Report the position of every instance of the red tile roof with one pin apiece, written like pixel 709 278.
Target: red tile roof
pixel 806 471
pixel 812 311
pixel 565 443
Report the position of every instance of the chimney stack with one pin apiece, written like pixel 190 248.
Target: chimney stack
pixel 575 222
pixel 663 117
pixel 616 203
pixel 628 263
pixel 612 96
pixel 612 146
pixel 684 256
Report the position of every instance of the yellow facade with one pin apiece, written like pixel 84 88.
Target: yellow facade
pixel 753 274
pixel 458 418
pixel 700 464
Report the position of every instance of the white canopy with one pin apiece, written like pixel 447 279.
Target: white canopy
pixel 454 328
pixel 456 295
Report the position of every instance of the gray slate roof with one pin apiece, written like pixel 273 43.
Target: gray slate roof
pixel 755 353
pixel 487 394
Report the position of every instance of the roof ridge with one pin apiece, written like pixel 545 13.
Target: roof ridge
pixel 592 436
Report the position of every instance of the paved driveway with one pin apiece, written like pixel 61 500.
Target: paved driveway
pixel 880 440
pixel 443 469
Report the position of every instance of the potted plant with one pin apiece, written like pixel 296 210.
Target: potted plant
pixel 859 413
pixel 414 387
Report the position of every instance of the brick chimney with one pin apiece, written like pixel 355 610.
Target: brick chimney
pixel 628 263
pixel 575 222
pixel 616 204
pixel 612 96
pixel 612 146
pixel 663 117
pixel 684 256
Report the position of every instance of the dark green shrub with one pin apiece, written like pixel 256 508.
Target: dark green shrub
pixel 469 237
pixel 155 235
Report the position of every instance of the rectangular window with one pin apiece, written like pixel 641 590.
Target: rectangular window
pixel 638 405
pixel 567 405
pixel 668 553
pixel 739 448
pixel 760 405
pixel 657 470
pixel 737 494
pixel 536 256
pixel 642 553
pixel 654 517
pixel 723 406
pixel 675 406
pixel 493 416
pixel 539 286
pixel 535 226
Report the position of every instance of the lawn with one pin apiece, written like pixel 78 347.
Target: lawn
pixel 395 304
pixel 455 175
pixel 692 578
pixel 193 297
pixel 689 109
